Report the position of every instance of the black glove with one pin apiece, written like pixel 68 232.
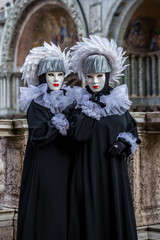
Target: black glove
pixel 68 110
pixel 119 147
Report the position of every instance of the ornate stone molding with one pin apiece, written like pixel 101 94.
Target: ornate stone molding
pixel 118 19
pixel 149 232
pixel 10 128
pixel 14 22
pixel 148 122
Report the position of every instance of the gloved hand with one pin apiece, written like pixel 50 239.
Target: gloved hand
pixel 68 110
pixel 119 147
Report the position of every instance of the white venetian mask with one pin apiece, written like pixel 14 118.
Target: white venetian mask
pixel 96 81
pixel 54 80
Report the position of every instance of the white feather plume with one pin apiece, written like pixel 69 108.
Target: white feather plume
pixel 30 67
pixel 97 44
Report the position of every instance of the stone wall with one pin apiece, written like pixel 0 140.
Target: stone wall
pixel 13 135
pixel 146 170
pixel 13 138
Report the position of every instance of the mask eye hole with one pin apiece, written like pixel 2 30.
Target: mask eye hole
pixel 50 74
pixel 99 75
pixel 60 74
pixel 89 76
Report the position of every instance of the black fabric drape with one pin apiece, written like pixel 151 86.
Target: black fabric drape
pixel 100 200
pixel 43 196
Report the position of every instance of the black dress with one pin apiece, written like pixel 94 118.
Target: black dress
pixel 43 196
pixel 100 200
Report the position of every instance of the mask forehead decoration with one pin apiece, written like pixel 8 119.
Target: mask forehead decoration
pixel 96 64
pixel 51 64
pixel 44 59
pixel 96 45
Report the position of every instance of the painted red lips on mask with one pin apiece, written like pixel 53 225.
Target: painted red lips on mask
pixel 55 85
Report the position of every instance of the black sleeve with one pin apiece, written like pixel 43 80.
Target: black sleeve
pixel 132 127
pixel 81 126
pixel 41 129
pixel 130 140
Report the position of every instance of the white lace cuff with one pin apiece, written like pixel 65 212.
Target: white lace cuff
pixel 129 139
pixel 92 110
pixel 61 123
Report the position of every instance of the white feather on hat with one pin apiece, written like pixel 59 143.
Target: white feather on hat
pixel 98 45
pixel 30 67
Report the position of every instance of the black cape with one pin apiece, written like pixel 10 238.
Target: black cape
pixel 42 213
pixel 100 200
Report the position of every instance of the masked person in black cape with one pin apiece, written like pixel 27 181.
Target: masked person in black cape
pixel 100 200
pixel 42 213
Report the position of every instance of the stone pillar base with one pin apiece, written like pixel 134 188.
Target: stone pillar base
pixel 151 232
pixel 8 223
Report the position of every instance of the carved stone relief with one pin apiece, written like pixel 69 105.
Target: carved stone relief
pixel 13 156
pixel 146 174
pixel 13 138
pixel 15 20
pixel 96 16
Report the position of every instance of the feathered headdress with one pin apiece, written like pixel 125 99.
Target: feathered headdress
pixel 98 45
pixel 30 67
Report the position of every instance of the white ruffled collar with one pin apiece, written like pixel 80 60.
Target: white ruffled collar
pixel 117 102
pixel 56 101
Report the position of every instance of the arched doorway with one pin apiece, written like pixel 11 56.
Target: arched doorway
pixel 25 15
pixel 142 43
pixel 138 31
pixel 49 23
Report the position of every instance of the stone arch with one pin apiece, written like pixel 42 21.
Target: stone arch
pixel 19 16
pixel 119 17
pixel 142 75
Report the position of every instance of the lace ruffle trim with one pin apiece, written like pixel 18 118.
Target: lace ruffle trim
pixel 117 102
pixel 130 139
pixel 56 101
pixel 61 123
pixel 91 110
